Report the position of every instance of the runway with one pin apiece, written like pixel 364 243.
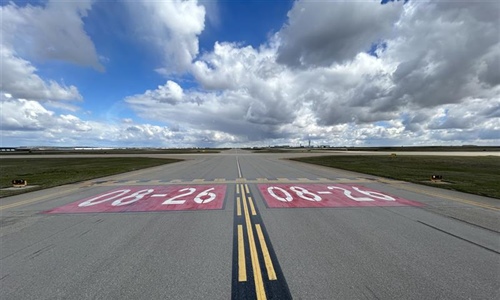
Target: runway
pixel 240 225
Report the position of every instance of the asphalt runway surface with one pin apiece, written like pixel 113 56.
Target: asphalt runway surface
pixel 239 225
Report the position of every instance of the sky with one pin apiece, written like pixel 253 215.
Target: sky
pixel 249 73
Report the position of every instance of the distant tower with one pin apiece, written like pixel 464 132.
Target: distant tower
pixel 309 143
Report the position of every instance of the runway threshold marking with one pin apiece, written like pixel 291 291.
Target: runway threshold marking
pixel 252 246
pixel 149 198
pixel 327 195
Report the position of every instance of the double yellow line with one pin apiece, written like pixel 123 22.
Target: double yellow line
pixel 249 208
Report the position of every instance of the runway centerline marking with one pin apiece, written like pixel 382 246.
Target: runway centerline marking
pixel 265 279
pixel 259 284
pixel 239 168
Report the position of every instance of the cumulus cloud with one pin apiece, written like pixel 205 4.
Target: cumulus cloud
pixel 433 79
pixel 437 60
pixel 230 66
pixel 489 68
pixel 319 33
pixel 197 111
pixel 444 52
pixel 19 115
pixel 23 115
pixel 53 31
pixel 172 27
pixel 170 93
pixel 31 123
pixel 19 79
pixel 242 94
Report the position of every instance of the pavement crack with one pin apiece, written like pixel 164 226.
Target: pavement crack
pixel 473 224
pixel 84 233
pixel 372 293
pixel 5 276
pixel 40 251
pixel 459 237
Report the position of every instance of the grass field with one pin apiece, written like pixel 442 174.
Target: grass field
pixel 381 149
pixel 475 175
pixel 113 151
pixel 50 172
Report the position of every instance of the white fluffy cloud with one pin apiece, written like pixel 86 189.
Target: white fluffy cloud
pixel 20 115
pixel 433 62
pixel 170 26
pixel 444 52
pixel 31 123
pixel 432 76
pixel 50 32
pixel 170 93
pixel 244 95
pixel 19 79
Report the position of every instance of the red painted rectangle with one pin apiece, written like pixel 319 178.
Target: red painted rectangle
pixel 150 198
pixel 327 195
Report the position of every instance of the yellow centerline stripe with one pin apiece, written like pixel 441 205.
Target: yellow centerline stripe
pixel 271 274
pixel 246 189
pixel 242 268
pixel 257 275
pixel 238 206
pixel 252 208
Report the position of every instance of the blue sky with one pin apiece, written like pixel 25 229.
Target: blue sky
pixel 249 73
pixel 129 64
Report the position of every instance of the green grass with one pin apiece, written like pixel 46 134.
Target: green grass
pixel 50 172
pixel 381 149
pixel 114 151
pixel 475 175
